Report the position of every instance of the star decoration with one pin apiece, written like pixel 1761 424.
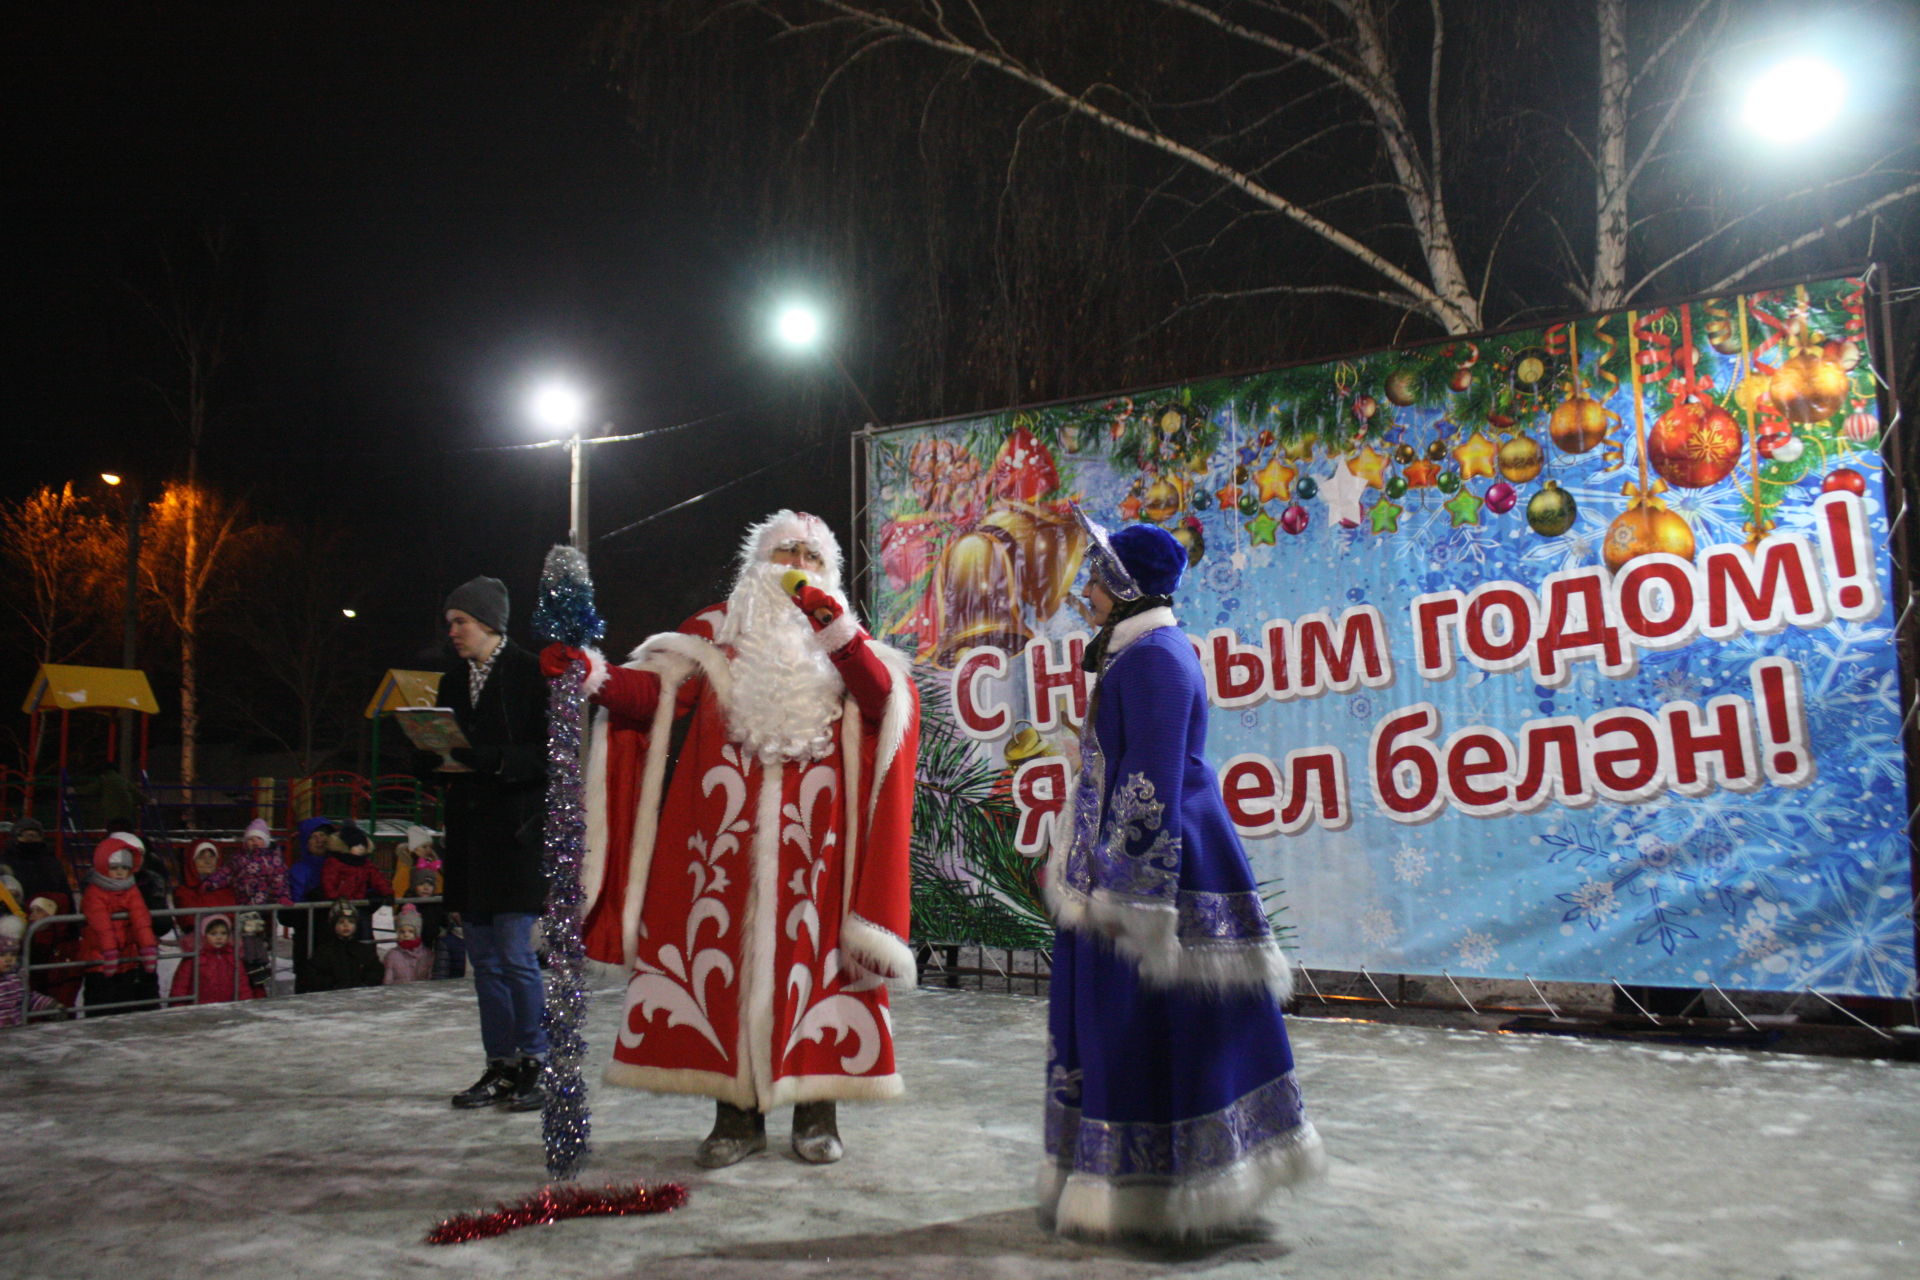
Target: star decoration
pixel 1370 465
pixel 1276 479
pixel 1475 455
pixel 1300 448
pixel 1385 516
pixel 1342 492
pixel 1229 497
pixel 1422 474
pixel 1130 507
pixel 1262 528
pixel 1464 507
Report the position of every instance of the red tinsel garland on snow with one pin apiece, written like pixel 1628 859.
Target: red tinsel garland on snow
pixel 556 1204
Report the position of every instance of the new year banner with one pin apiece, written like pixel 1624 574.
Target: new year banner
pixel 1564 654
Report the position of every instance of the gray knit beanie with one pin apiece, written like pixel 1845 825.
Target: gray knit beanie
pixel 482 599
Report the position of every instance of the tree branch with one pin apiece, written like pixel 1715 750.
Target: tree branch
pixel 1807 238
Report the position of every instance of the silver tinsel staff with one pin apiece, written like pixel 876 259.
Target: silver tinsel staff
pixel 565 615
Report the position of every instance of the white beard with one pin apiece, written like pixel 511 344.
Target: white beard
pixel 786 694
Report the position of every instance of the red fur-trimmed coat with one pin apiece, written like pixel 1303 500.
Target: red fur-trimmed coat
pixel 760 908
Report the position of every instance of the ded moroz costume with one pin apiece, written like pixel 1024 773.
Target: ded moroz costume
pixel 1171 1104
pixel 750 795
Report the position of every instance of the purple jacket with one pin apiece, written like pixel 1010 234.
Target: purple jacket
pixel 257 877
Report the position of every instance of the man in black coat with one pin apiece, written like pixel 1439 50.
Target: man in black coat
pixel 494 811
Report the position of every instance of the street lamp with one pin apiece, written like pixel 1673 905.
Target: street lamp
pixel 559 408
pixel 130 610
pixel 799 327
pixel 1794 99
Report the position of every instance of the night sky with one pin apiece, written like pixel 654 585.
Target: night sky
pixel 433 204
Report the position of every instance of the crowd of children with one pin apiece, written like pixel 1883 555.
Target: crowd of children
pixel 110 961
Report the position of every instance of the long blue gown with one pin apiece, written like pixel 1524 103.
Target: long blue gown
pixel 1172 1108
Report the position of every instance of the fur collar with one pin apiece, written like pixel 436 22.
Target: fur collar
pixel 1127 630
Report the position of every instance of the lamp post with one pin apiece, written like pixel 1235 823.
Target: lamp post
pixel 130 610
pixel 559 408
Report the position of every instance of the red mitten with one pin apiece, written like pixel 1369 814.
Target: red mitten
pixel 821 609
pixel 556 658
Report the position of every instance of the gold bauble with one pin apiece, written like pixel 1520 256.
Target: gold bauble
pixel 1402 387
pixel 1578 424
pixel 1530 370
pixel 1520 458
pixel 1643 529
pixel 1808 388
pixel 1751 391
pixel 1161 500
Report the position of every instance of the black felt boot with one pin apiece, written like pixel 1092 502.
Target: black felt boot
pixel 816 1134
pixel 738 1132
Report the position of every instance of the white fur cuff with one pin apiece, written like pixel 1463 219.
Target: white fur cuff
pixel 839 633
pixel 879 951
pixel 596 672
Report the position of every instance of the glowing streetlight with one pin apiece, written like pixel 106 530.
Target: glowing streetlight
pixel 110 477
pixel 1794 99
pixel 349 613
pixel 799 326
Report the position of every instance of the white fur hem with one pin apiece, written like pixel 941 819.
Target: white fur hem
pixel 839 633
pixel 1094 1208
pixel 736 1092
pixel 788 1090
pixel 879 951
pixel 1147 935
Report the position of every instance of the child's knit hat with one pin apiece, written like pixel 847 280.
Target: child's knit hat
pixel 258 827
pixel 12 930
pixel 343 910
pixel 408 918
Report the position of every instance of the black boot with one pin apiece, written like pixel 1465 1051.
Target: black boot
pixel 490 1088
pixel 816 1135
pixel 527 1093
pixel 738 1132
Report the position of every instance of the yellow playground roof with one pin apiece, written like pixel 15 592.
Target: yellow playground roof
pixel 405 689
pixel 62 688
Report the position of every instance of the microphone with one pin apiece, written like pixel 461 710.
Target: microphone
pixel 793 582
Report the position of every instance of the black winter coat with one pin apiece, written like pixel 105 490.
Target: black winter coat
pixel 338 964
pixel 494 815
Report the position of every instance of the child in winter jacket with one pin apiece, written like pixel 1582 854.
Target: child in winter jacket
pixel 447 942
pixel 16 999
pixel 212 972
pixel 339 960
pixel 408 960
pixel 350 873
pixel 117 943
pixel 256 874
pixel 197 887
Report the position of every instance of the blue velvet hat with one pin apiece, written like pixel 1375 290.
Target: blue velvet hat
pixel 1139 560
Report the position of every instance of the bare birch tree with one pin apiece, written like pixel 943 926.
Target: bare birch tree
pixel 1456 165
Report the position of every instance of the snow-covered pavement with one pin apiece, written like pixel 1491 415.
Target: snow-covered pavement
pixel 311 1137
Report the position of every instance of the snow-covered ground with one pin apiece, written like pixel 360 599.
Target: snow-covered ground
pixel 312 1137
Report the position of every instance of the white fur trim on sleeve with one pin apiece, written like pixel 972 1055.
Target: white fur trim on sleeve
pixel 879 951
pixel 596 672
pixel 839 633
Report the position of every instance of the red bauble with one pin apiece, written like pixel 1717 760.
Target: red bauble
pixel 1694 445
pixel 1845 478
pixel 1771 437
pixel 1501 497
pixel 1294 519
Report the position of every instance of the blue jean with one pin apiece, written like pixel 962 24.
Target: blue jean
pixel 506 977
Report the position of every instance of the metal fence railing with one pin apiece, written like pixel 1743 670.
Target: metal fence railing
pixel 176 948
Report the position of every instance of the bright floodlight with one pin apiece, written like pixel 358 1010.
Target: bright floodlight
pixel 349 613
pixel 110 477
pixel 1795 99
pixel 797 326
pixel 558 407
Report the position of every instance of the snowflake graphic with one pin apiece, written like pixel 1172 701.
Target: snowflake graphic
pixel 1476 949
pixel 1378 927
pixel 1592 902
pixel 1410 864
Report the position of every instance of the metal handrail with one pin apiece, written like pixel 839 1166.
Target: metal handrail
pixel 28 967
